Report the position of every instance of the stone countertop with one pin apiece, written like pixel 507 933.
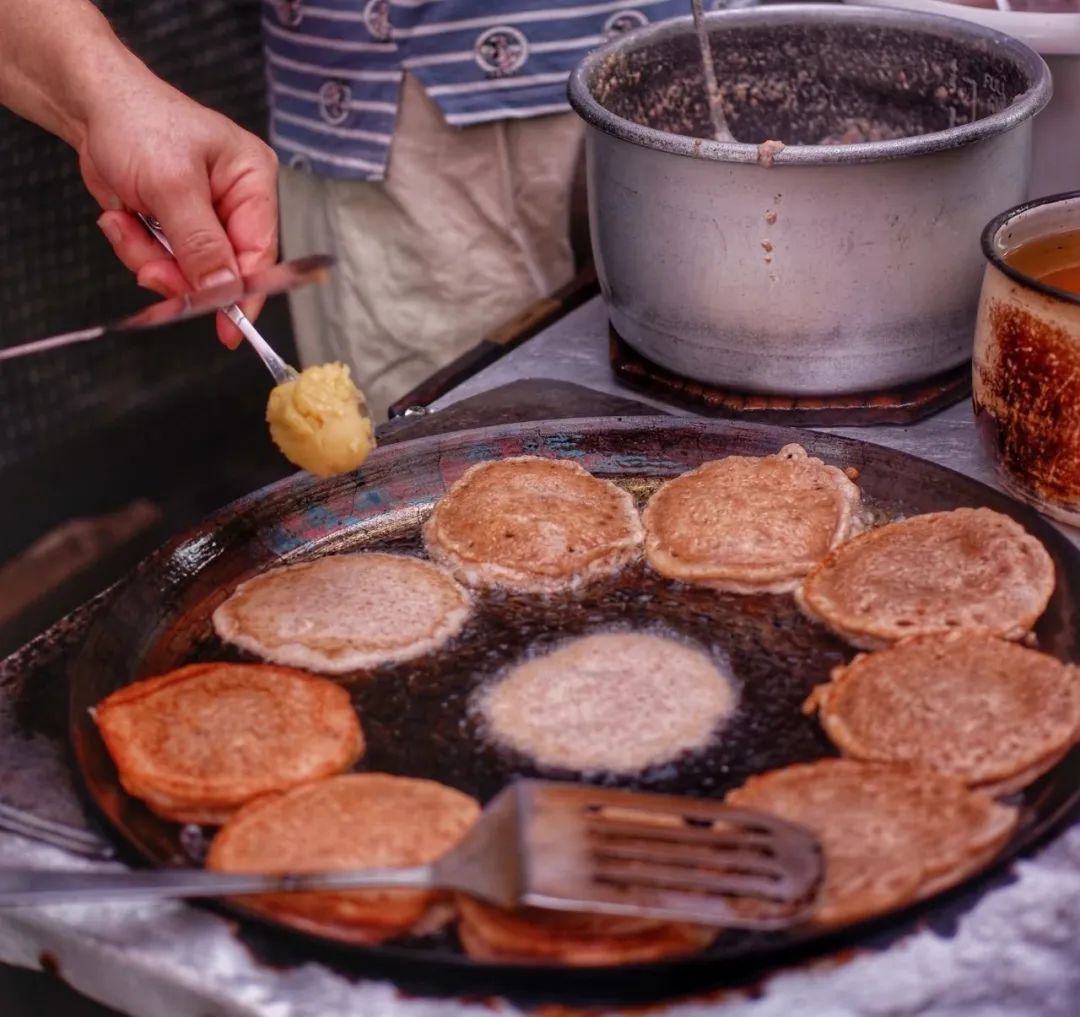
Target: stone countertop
pixel 1007 948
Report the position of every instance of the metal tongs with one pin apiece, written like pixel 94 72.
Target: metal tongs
pixel 546 845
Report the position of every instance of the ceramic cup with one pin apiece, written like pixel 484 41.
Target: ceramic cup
pixel 1026 365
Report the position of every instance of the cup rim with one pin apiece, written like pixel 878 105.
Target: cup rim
pixel 995 225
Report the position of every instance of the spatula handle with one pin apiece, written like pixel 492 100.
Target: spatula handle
pixel 29 887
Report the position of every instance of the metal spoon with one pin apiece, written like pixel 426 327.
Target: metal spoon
pixel 281 371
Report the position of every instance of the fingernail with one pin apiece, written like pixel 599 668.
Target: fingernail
pixel 111 229
pixel 218 278
pixel 114 204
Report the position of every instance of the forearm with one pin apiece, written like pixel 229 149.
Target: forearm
pixel 59 59
pixel 143 147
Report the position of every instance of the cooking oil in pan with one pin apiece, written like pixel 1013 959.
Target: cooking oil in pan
pixel 419 718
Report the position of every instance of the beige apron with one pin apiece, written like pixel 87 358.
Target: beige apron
pixel 470 226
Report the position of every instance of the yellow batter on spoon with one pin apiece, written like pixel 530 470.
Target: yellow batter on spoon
pixel 319 422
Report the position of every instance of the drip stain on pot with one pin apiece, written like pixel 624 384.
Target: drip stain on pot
pixel 810 84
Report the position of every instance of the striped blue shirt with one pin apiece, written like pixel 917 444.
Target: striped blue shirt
pixel 335 67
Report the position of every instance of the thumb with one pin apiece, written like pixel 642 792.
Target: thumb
pixel 198 239
pixel 102 193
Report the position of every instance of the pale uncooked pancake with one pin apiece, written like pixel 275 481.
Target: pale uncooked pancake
pixel 891 834
pixel 750 525
pixel 345 612
pixel 971 569
pixel 533 525
pixel 355 821
pixel 584 940
pixel 616 702
pixel 198 743
pixel 986 711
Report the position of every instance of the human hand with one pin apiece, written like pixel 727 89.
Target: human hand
pixel 211 185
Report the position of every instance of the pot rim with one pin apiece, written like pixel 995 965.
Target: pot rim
pixel 1022 108
pixel 999 222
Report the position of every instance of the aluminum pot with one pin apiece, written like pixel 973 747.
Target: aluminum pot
pixel 823 268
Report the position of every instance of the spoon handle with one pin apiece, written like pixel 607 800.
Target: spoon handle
pixel 281 371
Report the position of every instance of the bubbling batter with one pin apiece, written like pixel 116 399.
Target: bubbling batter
pixel 615 702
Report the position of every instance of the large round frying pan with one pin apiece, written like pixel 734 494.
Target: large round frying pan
pixel 416 717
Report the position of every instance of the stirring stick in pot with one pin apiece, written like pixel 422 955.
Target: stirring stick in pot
pixel 712 89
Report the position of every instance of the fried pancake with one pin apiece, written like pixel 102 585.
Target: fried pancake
pixel 988 712
pixel 345 612
pixel 533 525
pixel 533 935
pixel 891 834
pixel 971 569
pixel 615 702
pixel 354 821
pixel 198 743
pixel 750 525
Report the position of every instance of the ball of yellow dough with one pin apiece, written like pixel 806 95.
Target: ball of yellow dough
pixel 317 421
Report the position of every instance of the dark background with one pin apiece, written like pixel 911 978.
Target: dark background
pixel 169 416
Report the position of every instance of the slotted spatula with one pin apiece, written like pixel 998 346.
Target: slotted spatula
pixel 546 845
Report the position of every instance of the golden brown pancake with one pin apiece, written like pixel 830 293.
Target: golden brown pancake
pixel 988 712
pixel 533 525
pixel 750 525
pixel 617 702
pixel 345 612
pixel 355 821
pixel 198 743
pixel 971 569
pixel 533 935
pixel 891 834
